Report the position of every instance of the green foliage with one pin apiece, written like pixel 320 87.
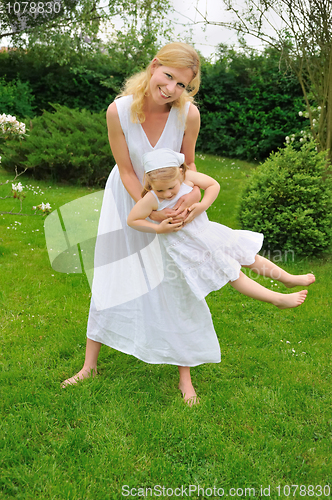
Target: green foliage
pixel 16 98
pixel 289 199
pixel 68 145
pixel 248 105
pixel 91 84
pixel 77 30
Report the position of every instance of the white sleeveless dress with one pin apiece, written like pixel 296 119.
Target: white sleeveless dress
pixel 141 304
pixel 208 254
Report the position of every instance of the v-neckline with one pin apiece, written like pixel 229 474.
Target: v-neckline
pixel 162 133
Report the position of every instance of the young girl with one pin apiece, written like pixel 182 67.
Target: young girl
pixel 208 254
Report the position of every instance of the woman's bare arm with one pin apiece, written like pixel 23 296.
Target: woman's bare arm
pixel 121 154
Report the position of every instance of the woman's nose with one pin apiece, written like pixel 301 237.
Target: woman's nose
pixel 171 86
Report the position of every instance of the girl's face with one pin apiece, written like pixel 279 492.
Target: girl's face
pixel 166 190
pixel 167 84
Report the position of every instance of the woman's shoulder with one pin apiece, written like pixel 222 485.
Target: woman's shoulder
pixel 119 103
pixel 119 109
pixel 193 115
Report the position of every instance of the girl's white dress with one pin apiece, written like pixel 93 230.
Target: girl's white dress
pixel 208 254
pixel 140 304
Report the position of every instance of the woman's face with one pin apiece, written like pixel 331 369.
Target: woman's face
pixel 167 84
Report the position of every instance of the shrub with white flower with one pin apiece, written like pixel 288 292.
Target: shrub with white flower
pixel 43 207
pixel 17 190
pixel 10 126
pixel 310 132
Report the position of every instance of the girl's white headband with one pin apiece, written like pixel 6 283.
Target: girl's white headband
pixel 162 158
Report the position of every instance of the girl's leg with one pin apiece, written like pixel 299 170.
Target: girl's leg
pixel 256 291
pixel 90 363
pixel 186 386
pixel 265 267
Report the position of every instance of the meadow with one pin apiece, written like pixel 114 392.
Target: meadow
pixel 262 429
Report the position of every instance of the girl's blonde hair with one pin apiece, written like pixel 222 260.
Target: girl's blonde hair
pixel 173 55
pixel 168 174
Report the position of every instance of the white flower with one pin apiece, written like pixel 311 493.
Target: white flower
pixel 300 113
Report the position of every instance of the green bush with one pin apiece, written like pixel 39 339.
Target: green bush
pixel 289 199
pixel 16 99
pixel 248 104
pixel 68 145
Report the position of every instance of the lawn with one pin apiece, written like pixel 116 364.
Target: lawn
pixel 262 428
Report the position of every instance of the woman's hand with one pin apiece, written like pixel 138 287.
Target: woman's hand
pixel 167 226
pixel 188 199
pixel 195 210
pixel 161 215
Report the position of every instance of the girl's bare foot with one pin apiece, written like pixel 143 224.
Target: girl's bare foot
pixel 81 375
pixel 286 301
pixel 299 280
pixel 189 394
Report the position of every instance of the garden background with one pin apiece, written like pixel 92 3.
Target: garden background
pixel 264 418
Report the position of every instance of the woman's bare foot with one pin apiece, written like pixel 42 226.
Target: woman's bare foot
pixel 81 375
pixel 299 280
pixel 189 394
pixel 286 301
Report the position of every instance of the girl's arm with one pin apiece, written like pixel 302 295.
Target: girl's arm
pixel 142 210
pixel 211 190
pixel 121 154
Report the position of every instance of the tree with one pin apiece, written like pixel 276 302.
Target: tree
pixel 301 31
pixel 59 29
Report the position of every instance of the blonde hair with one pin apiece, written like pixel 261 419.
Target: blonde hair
pixel 174 55
pixel 162 174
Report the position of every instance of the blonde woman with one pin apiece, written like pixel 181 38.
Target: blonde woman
pixel 137 308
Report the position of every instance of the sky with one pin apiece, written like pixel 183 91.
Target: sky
pixel 205 38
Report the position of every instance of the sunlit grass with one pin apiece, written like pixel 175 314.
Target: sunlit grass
pixel 265 412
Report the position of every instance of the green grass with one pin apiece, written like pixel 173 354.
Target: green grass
pixel 265 412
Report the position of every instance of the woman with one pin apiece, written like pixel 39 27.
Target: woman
pixel 139 306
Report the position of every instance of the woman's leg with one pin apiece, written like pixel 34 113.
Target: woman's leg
pixel 256 291
pixel 265 267
pixel 186 386
pixel 90 363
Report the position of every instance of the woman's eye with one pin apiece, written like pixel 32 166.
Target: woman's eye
pixel 168 75
pixel 181 85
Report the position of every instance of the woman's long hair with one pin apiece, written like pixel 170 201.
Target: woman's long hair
pixel 174 55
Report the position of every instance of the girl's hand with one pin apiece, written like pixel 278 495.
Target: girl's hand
pixel 166 226
pixel 195 210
